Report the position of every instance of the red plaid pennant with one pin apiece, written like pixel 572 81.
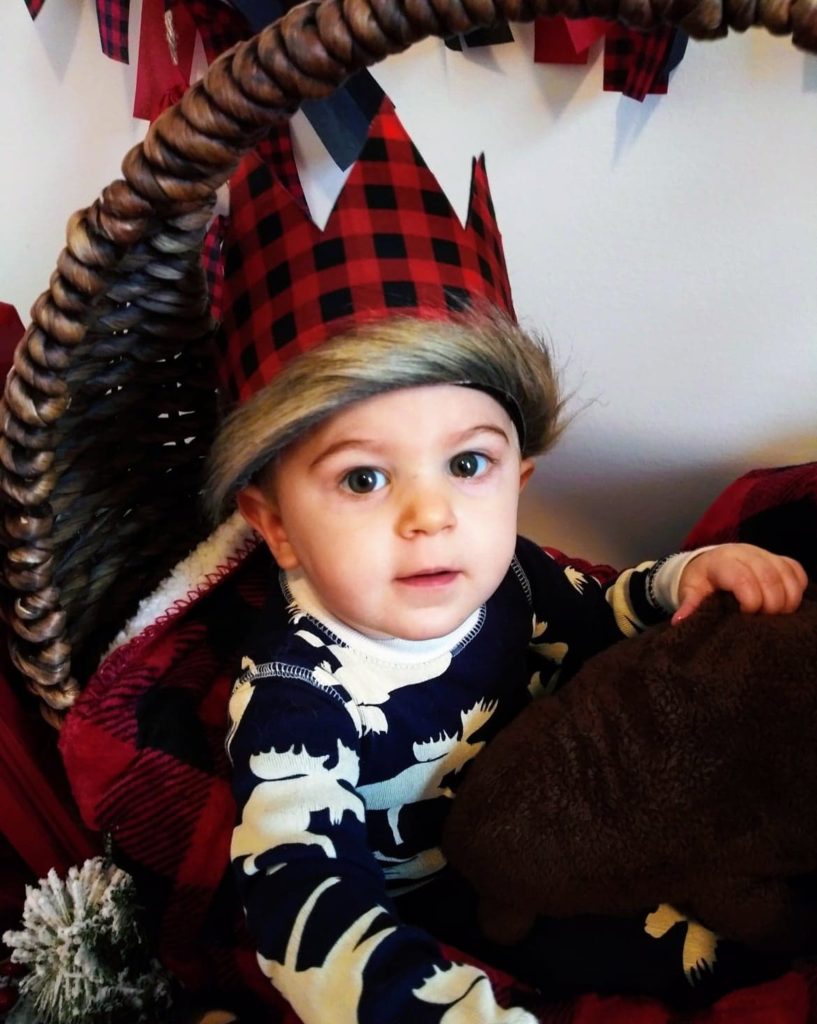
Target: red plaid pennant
pixel 635 62
pixel 214 265
pixel 34 7
pixel 392 243
pixel 220 25
pixel 277 153
pixel 112 16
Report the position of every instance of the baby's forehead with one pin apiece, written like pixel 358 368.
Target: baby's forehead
pixel 416 415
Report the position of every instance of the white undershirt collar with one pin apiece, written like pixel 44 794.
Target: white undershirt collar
pixel 394 649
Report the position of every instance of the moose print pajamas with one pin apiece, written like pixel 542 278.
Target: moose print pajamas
pixel 346 752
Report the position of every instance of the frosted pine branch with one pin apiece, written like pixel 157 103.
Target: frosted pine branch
pixel 85 957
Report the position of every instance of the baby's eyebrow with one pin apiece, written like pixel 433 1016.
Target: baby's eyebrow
pixel 481 428
pixel 346 443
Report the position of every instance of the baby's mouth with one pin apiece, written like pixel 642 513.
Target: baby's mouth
pixel 429 578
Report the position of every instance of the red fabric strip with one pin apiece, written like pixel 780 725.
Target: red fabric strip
pixel 161 82
pixel 11 330
pixel 560 40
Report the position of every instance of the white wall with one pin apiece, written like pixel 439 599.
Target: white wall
pixel 667 247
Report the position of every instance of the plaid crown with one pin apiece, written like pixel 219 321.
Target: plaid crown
pixel 392 245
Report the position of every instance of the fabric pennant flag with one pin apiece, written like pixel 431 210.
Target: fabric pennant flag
pixel 211 256
pixel 561 40
pixel 342 120
pixel 11 330
pixel 34 7
pixel 493 36
pixel 220 26
pixel 635 62
pixel 260 13
pixel 166 41
pixel 112 16
pixel 677 50
pixel 277 152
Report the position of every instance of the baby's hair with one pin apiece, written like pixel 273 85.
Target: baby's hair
pixel 480 347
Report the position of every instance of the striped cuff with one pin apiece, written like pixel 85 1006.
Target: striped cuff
pixel 664 579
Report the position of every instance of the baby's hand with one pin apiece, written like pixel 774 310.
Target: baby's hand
pixel 761 581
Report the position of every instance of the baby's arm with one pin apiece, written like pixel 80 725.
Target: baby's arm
pixel 315 898
pixel 580 609
pixel 584 609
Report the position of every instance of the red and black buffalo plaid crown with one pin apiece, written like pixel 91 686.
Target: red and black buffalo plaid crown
pixel 392 245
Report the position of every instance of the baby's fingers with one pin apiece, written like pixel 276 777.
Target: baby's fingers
pixel 795 582
pixel 751 592
pixel 770 583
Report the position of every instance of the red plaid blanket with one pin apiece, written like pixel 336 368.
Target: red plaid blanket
pixel 144 749
pixel 773 508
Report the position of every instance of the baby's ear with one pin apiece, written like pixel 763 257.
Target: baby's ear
pixel 261 511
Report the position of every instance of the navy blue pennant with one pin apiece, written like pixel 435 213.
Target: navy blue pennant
pixel 493 36
pixel 259 13
pixel 342 120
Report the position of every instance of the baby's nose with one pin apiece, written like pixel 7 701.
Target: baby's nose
pixel 426 509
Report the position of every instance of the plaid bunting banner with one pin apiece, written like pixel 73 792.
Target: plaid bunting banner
pixel 112 16
pixel 635 63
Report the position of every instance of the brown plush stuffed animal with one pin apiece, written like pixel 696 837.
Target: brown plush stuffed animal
pixel 678 767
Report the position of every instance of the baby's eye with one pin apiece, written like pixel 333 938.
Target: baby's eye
pixel 364 480
pixel 469 464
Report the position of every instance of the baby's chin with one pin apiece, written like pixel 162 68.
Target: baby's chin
pixel 416 631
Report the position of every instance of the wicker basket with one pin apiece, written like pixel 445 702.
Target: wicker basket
pixel 111 406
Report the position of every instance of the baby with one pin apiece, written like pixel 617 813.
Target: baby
pixel 408 624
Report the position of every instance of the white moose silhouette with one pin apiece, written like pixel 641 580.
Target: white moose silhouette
pixel 467 993
pixel 366 681
pixel 700 944
pixel 296 784
pixel 554 652
pixel 436 758
pixel 338 981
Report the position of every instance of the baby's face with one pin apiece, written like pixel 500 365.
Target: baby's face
pixel 401 510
